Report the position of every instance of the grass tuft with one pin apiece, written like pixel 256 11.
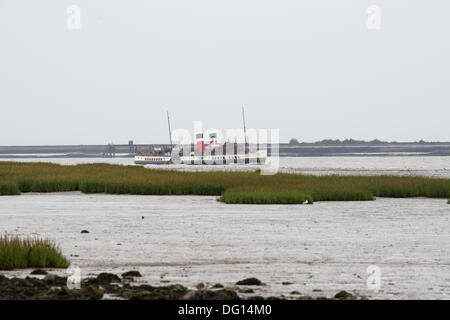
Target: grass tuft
pixel 261 196
pixel 9 189
pixel 16 252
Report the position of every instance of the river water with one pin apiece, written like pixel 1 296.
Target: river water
pixel 367 165
pixel 318 249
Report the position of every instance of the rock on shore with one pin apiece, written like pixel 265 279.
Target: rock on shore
pixel 54 287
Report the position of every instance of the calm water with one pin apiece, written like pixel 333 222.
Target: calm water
pixel 411 165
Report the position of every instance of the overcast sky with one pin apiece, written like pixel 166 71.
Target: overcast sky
pixel 310 68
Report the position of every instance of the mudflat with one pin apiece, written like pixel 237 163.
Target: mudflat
pixel 316 250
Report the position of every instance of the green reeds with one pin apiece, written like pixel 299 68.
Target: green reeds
pixel 16 252
pixel 232 187
pixel 262 196
pixel 9 189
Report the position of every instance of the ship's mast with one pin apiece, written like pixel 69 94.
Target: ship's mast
pixel 170 131
pixel 245 129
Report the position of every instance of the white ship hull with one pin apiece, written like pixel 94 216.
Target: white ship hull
pixel 152 160
pixel 258 157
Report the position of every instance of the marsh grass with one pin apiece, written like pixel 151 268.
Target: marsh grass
pixel 9 188
pixel 262 196
pixel 232 187
pixel 16 252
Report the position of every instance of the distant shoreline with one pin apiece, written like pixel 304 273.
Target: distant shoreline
pixel 319 149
